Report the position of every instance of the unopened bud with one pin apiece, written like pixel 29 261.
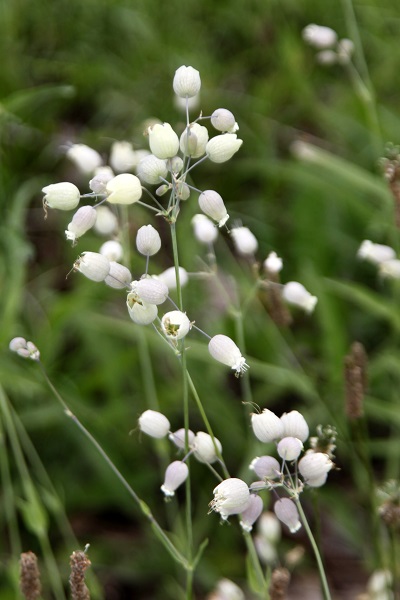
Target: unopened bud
pixel 83 220
pixel 154 424
pixel 148 241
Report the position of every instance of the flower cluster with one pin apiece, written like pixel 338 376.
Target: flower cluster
pixel 166 165
pixel 288 432
pixel 205 448
pixel 331 50
pixel 384 257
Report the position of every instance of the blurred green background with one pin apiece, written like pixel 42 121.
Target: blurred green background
pixel 93 72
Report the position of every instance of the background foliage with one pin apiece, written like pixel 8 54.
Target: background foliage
pixel 92 72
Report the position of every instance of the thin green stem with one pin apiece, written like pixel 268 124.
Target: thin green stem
pixel 185 398
pixel 324 582
pixel 255 561
pixel 142 505
pixel 207 424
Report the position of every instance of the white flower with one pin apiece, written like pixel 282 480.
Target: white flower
pixel 223 120
pixel 231 497
pixel 225 351
pixel 64 195
pixel 112 249
pixel 151 169
pixel 123 158
pixel 273 263
pixel 314 467
pixel 175 474
pixel 93 265
pixel 265 467
pixel 204 230
pixel 84 157
pixel 390 268
pixel 345 49
pixel 319 37
pixel 205 448
pixel 178 438
pixel 187 82
pixel 175 324
pixel 119 276
pixel 286 511
pixel 169 277
pixel 295 425
pixel 244 240
pixel 154 424
pixel 213 206
pixel 140 312
pixel 106 222
pixel 251 513
pixel 379 585
pixel 289 448
pixel 326 57
pixel 83 220
pixel 149 290
pixel 267 427
pixel 226 590
pixel 148 241
pixel 24 349
pixel 193 140
pixel 124 189
pixel 222 147
pixel 269 527
pixel 102 176
pixel 164 143
pixel 295 293
pixel 375 253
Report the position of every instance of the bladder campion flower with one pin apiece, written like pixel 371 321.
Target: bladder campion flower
pixel 225 351
pixel 193 140
pixel 154 424
pixel 119 276
pixel 187 82
pixel 152 291
pixel 265 466
pixel 204 229
pixel 93 265
pixel 286 511
pixel 84 157
pixel 244 240
pixel 222 147
pixel 64 196
pixel 83 220
pixel 204 447
pixel 175 474
pixel 152 169
pixel 295 293
pixel 213 206
pixel 289 448
pixel 124 189
pixel 223 120
pixel 148 241
pixel 141 313
pixel 231 497
pixel 319 37
pixel 267 427
pixel 175 324
pixel 295 425
pixel 164 142
pixel 251 513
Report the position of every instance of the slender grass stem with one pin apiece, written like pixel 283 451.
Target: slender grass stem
pixel 161 535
